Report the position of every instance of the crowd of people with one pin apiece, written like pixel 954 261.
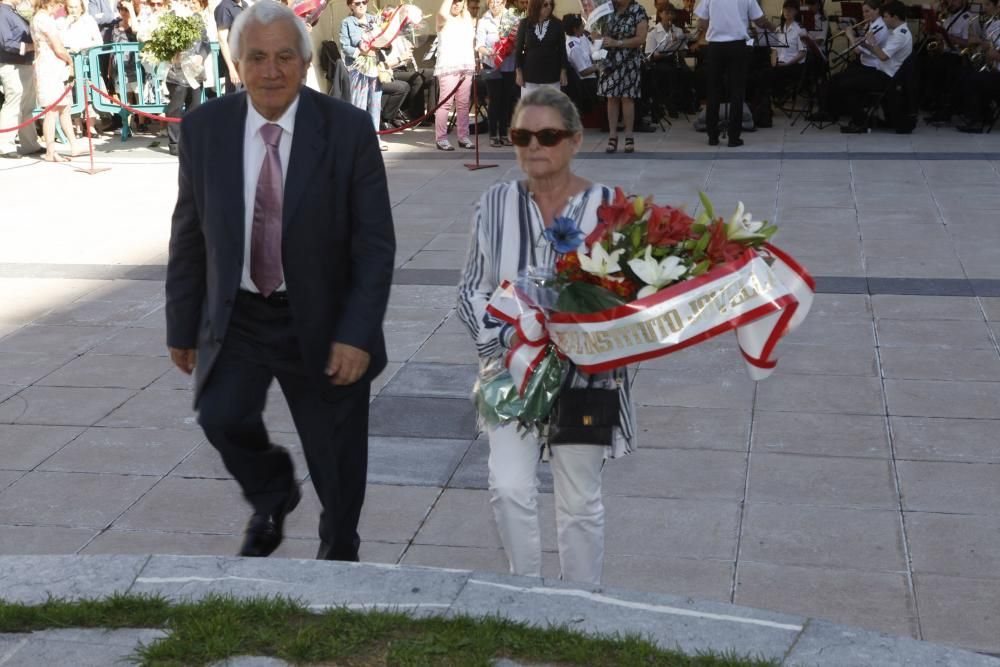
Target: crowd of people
pixel 643 70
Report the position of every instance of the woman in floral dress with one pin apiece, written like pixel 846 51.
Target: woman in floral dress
pixel 624 36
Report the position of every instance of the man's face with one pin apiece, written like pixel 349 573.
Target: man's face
pixel 271 66
pixel 522 5
pixel 473 7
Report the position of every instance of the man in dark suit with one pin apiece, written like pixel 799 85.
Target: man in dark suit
pixel 281 256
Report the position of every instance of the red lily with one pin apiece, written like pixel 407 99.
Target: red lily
pixel 612 217
pixel 720 249
pixel 668 226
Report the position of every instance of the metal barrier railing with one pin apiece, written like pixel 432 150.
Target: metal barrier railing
pixel 128 68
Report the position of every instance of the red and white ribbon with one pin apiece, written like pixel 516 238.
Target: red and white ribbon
pixel 762 299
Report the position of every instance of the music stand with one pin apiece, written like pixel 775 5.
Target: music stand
pixel 770 40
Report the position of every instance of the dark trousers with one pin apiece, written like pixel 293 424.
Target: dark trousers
pixel 417 85
pixel 672 82
pixel 980 88
pixel 393 96
pixel 943 74
pixel 332 423
pixel 726 61
pixel 182 100
pixel 855 85
pixel 499 106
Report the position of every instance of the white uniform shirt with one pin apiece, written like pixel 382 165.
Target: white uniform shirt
pixel 791 35
pixel 868 59
pixel 578 50
pixel 992 36
pixel 660 39
pixel 254 152
pixel 957 26
pixel 898 47
pixel 728 19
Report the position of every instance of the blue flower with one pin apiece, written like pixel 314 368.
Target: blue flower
pixel 564 235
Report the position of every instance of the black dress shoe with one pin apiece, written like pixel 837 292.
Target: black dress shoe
pixel 174 149
pixel 713 141
pixel 853 129
pixel 735 143
pixel 13 155
pixel 265 531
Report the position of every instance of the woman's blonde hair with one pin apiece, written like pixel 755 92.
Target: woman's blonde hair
pixel 553 99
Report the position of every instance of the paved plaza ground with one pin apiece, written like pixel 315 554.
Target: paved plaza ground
pixel 861 483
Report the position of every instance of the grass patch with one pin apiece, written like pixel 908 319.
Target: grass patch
pixel 220 627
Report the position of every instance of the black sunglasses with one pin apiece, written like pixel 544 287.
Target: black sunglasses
pixel 547 137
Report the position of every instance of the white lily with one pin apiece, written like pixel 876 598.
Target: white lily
pixel 656 274
pixel 599 262
pixel 742 226
pixel 617 237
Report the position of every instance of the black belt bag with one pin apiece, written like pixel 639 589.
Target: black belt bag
pixel 585 415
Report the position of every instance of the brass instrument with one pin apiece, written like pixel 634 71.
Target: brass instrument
pixel 856 26
pixel 838 56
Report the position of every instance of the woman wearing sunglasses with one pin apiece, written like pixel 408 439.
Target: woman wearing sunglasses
pixel 508 239
pixel 366 90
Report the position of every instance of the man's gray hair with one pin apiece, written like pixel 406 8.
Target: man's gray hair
pixel 553 99
pixel 264 12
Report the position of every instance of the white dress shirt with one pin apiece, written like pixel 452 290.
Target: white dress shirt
pixel 898 46
pixel 254 152
pixel 728 19
pixel 660 39
pixel 869 59
pixel 792 35
pixel 578 51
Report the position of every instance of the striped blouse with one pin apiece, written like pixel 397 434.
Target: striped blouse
pixel 507 240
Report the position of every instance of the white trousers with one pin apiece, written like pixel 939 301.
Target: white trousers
pixel 18 83
pixel 576 476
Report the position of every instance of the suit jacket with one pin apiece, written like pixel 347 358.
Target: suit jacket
pixel 338 244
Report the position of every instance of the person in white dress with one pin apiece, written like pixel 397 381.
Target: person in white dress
pixel 52 70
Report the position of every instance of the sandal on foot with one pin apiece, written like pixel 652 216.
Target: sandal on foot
pixel 629 145
pixel 612 145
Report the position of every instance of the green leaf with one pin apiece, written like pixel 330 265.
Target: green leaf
pixel 700 268
pixel 707 204
pixel 636 236
pixel 578 297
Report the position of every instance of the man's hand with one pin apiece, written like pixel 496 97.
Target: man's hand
pixel 184 359
pixel 519 79
pixel 347 364
pixel 563 79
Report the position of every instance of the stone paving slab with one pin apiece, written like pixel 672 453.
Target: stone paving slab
pixel 893 373
pixel 76 647
pixel 670 621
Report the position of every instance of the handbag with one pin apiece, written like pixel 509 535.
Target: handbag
pixel 584 415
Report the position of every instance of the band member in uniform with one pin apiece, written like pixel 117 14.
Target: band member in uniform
pixel 983 85
pixel 832 96
pixel 579 52
pixel 889 58
pixel 666 46
pixel 724 22
pixel 943 64
pixel 789 61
